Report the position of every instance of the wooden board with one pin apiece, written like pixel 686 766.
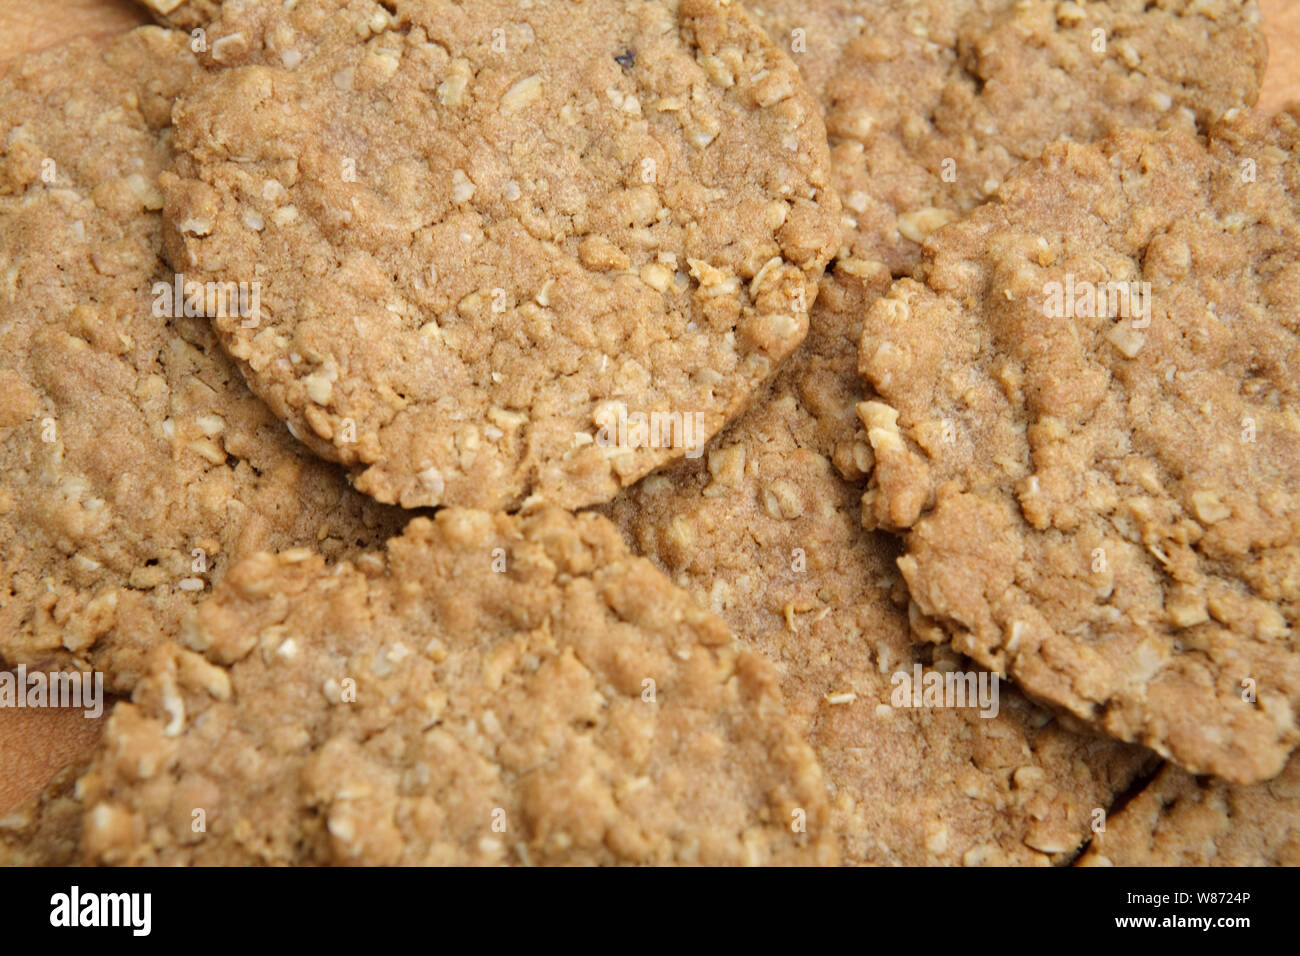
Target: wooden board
pixel 1282 22
pixel 35 745
pixel 27 26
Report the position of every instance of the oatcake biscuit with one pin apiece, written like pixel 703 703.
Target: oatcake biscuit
pixel 766 532
pixel 1179 820
pixel 931 103
pixel 491 237
pixel 135 464
pixel 493 689
pixel 1106 504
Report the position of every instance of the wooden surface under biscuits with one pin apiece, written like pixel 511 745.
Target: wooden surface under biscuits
pixel 35 745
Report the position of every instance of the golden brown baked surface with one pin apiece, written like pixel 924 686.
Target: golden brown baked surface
pixel 183 14
pixel 137 466
pixel 27 26
pixel 45 829
pixel 904 89
pixel 930 105
pixel 766 532
pixel 492 689
pixel 1102 499
pixel 481 252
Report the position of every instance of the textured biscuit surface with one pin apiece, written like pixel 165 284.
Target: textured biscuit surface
pixel 491 689
pixel 136 464
pixel 183 14
pixel 486 234
pixel 46 829
pixel 1086 422
pixel 1181 820
pixel 929 105
pixel 766 532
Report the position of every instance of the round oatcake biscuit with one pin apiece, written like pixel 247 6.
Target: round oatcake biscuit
pixel 1178 820
pixel 491 689
pixel 1086 423
pixel 134 463
pixel 504 251
pixel 931 103
pixel 765 531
